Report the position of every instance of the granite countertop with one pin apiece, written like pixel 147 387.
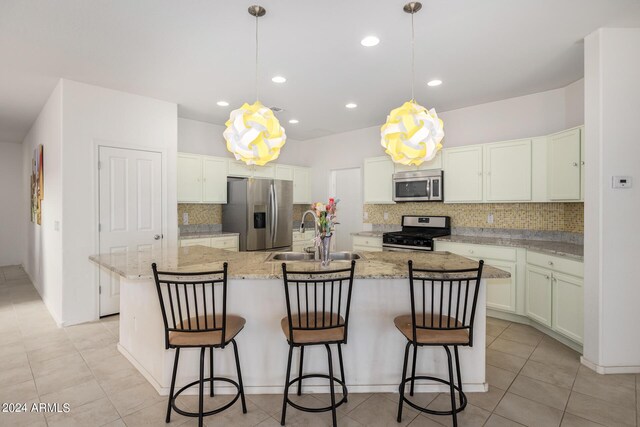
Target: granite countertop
pixel 205 234
pixel 368 233
pixel 253 265
pixel 569 250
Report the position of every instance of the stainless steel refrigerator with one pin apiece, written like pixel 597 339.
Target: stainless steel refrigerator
pixel 261 210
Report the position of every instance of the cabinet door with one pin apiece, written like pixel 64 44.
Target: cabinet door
pixel 582 171
pixel 214 175
pixel 195 242
pixel 507 168
pixel 238 168
pixel 501 293
pixel 301 186
pixel 568 306
pixel 378 176
pixel 435 163
pixel 284 172
pixel 189 178
pixel 266 171
pixel 539 294
pixel 463 174
pixel 564 165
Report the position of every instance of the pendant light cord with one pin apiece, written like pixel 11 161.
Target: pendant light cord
pixel 413 60
pixel 257 91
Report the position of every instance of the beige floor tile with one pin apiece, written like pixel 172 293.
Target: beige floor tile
pixel 8 352
pixel 570 420
pixel 495 330
pixel 541 392
pixel 555 354
pixel 110 366
pixel 269 422
pixel 487 400
pixel 270 403
pixel 422 421
pixel 121 380
pixel 496 420
pixel 116 423
pixel 50 366
pixel 14 272
pixel 52 351
pixel 135 398
pixel 528 412
pixel 96 356
pixel 299 418
pixel 76 395
pixel 14 361
pixel 523 334
pixel 512 347
pixel 154 415
pixel 505 361
pixel 50 338
pixel 20 419
pixel 15 375
pixel 498 322
pixel 19 392
pixel 557 375
pixel 63 378
pixel 97 341
pixel 617 389
pixel 232 416
pixel 471 416
pixel 499 378
pixel 489 339
pixel 600 411
pixel 381 411
pixel 96 413
pixel 354 400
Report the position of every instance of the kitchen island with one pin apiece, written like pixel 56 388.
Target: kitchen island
pixel 372 357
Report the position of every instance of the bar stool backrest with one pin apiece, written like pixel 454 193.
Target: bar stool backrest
pixel 444 299
pixel 318 300
pixel 192 302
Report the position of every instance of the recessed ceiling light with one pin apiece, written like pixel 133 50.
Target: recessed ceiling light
pixel 223 103
pixel 351 105
pixel 278 79
pixel 435 82
pixel 370 41
pixel 293 121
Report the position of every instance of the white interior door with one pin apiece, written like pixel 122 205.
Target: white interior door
pixel 130 183
pixel 347 186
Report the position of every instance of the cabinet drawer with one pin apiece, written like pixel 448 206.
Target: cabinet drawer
pixel 478 251
pixel 227 242
pixel 563 265
pixel 370 242
pixel 357 248
pixel 195 242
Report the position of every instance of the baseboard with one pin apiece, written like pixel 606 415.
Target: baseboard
pixel 516 318
pixel 278 389
pixel 609 369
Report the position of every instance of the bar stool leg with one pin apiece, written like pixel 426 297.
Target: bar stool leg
pixel 173 384
pixel 333 393
pixel 455 351
pixel 341 367
pixel 235 351
pixel 300 370
pixel 211 371
pixel 413 368
pixel 404 374
pixel 201 388
pixel 452 390
pixel 286 387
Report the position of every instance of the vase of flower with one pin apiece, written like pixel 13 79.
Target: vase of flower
pixel 325 223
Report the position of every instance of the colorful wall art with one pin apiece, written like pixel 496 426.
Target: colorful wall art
pixel 37 184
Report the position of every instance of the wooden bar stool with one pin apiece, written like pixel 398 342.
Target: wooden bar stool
pixel 318 304
pixel 443 307
pixel 194 311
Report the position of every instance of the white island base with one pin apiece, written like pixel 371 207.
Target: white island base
pixel 373 356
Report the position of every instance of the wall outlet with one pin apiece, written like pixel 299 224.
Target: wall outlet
pixel 621 182
pixel 185 218
pixel 386 216
pixel 490 218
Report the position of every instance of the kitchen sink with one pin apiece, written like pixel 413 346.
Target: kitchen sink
pixel 303 256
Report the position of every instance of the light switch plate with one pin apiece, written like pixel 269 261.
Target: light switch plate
pixel 490 218
pixel 185 218
pixel 621 182
pixel 386 216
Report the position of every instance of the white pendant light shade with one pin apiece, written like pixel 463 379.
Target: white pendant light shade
pixel 412 134
pixel 254 134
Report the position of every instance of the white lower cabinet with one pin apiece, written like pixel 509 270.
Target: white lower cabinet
pixel 229 243
pixel 367 243
pixel 539 295
pixel 568 306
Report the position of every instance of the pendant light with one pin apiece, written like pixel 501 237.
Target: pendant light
pixel 412 133
pixel 253 132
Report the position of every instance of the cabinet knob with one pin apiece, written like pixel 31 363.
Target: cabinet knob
pixel 582 163
pixel 479 173
pixel 547 277
pixel 575 164
pixel 550 262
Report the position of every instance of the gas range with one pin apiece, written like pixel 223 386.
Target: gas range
pixel 417 233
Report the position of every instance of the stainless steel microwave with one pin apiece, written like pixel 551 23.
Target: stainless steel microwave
pixel 418 186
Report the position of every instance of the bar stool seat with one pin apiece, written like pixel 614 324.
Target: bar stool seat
pixel 432 336
pixel 311 336
pixel 210 338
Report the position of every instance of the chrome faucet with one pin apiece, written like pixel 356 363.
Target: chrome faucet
pixel 316 231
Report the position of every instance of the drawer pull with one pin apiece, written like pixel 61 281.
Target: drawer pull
pixel 470 251
pixel 547 277
pixel 550 262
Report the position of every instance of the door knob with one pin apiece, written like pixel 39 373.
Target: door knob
pixel 157 237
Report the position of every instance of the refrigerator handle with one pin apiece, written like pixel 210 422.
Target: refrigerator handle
pixel 271 213
pixel 275 215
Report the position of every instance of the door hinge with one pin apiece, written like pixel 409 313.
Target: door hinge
pixel 99 290
pixel 99 228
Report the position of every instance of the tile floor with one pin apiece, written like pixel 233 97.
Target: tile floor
pixel 533 379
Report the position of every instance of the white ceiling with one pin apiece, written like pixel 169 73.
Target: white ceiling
pixel 196 52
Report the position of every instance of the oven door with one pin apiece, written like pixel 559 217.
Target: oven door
pixel 411 189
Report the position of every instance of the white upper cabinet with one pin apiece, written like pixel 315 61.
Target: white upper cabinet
pixel 301 185
pixel 378 176
pixel 539 169
pixel 190 178
pixel 564 165
pixel 582 171
pixel 435 163
pixel 284 172
pixel 238 168
pixel 214 185
pixel 463 174
pixel 507 168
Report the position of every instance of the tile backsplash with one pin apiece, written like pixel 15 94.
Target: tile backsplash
pixel 568 217
pixel 200 214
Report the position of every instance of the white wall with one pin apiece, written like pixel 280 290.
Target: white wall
pixel 612 294
pixel 12 218
pixel 95 116
pixel 43 254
